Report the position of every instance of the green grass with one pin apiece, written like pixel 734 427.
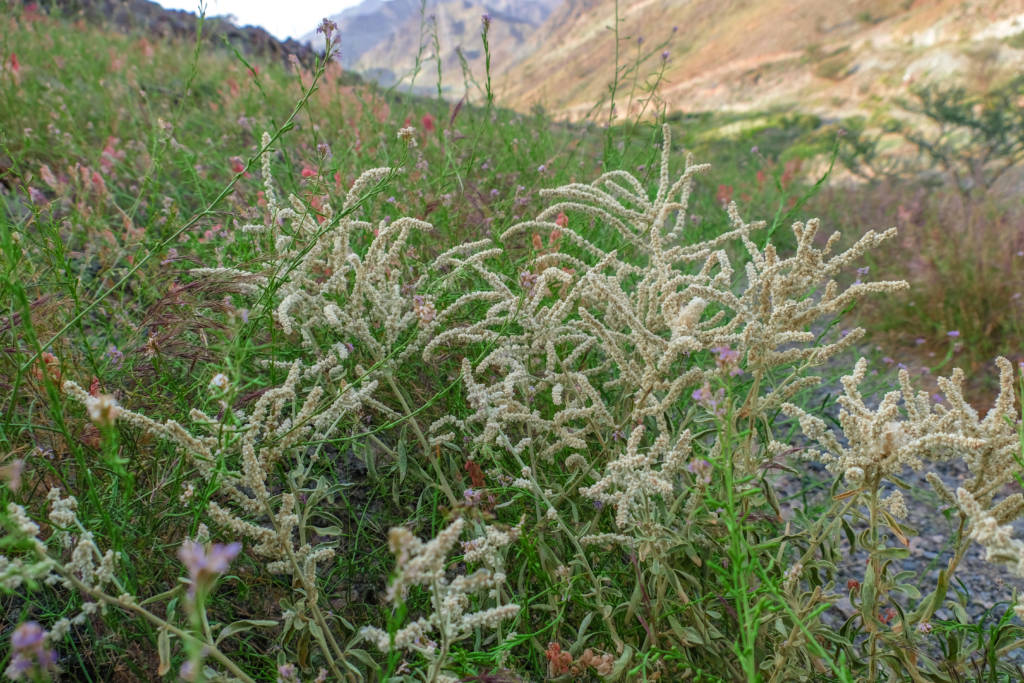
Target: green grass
pixel 127 161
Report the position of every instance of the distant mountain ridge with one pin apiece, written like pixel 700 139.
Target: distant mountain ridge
pixel 830 58
pixel 380 38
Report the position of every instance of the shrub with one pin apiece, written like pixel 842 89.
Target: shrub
pixel 614 393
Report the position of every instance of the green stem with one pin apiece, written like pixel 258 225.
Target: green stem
pixel 330 647
pixel 442 480
pixel 209 647
pixel 869 612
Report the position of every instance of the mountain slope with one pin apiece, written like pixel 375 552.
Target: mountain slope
pixel 382 38
pixel 831 58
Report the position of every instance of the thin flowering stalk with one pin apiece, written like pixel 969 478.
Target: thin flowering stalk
pixel 410 415
pixel 485 28
pixel 131 606
pixel 331 650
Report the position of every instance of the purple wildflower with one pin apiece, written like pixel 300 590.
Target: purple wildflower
pixel 36 196
pixel 327 28
pixel 28 636
pixel 953 333
pixel 172 255
pixel 115 355
pixel 727 360
pixel 29 654
pixel 206 564
pixel 711 401
pixel 701 469
pixel 287 673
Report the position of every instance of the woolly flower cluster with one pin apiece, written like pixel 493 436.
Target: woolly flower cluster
pixel 267 436
pixel 624 336
pixel 988 529
pixel 909 428
pixel 631 479
pixel 342 301
pixel 69 558
pixel 881 442
pixel 423 563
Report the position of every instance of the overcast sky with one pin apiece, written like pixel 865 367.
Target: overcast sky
pixel 283 18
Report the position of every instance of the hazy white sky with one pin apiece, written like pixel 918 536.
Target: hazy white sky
pixel 283 18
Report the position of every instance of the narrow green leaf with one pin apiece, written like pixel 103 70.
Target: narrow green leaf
pixel 241 626
pixel 163 646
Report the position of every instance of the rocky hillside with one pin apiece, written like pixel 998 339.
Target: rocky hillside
pixel 831 58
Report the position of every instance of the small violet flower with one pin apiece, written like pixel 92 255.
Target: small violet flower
pixel 206 564
pixel 114 355
pixel 727 360
pixel 30 657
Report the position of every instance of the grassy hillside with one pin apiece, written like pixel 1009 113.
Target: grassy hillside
pixel 306 380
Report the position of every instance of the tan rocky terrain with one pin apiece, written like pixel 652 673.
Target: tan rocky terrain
pixel 832 58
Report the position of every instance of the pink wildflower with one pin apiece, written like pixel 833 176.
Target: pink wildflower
pixel 206 564
pixel 29 655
